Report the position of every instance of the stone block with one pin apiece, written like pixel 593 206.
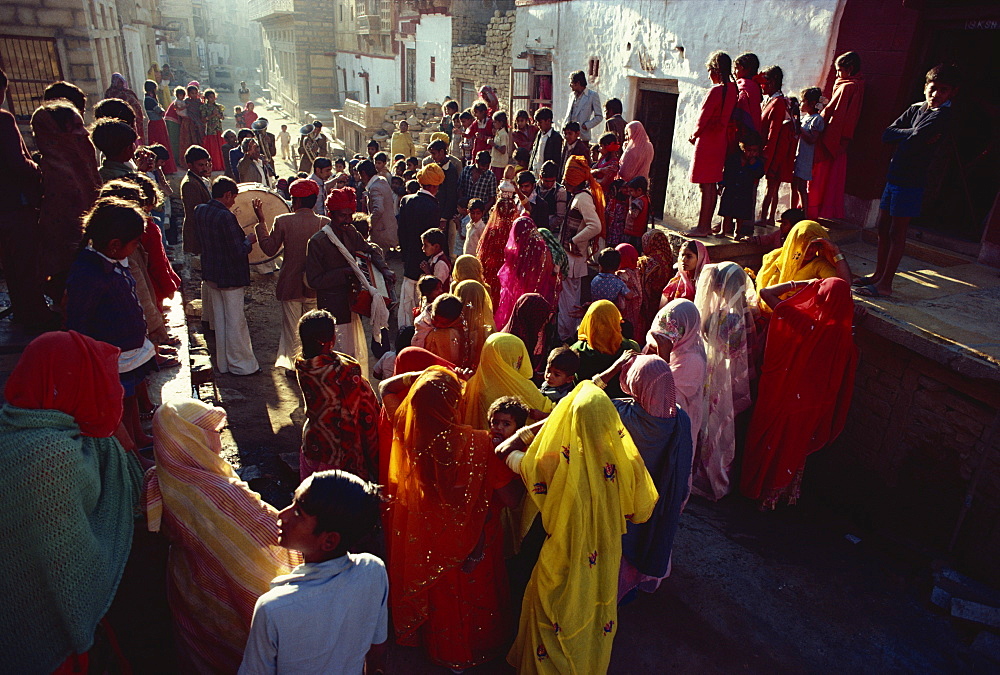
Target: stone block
pixel 63 4
pixel 27 16
pixel 976 612
pixel 80 56
pixel 55 17
pixel 7 15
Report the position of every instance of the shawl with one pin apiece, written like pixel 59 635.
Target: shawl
pixel 727 304
pixel 223 538
pixel 490 250
pixel 477 320
pixel 119 89
pixel 638 153
pixel 528 319
pixel 654 269
pixel 527 268
pixel 71 373
pixel 69 185
pixel 466 267
pixel 586 478
pixel 630 256
pixel 559 257
pixel 805 389
pixel 379 310
pixel 662 435
pixel 601 327
pixel 683 283
pixel 578 171
pixel 488 95
pixel 440 494
pixel 66 529
pixel 341 427
pixel 504 370
pixel 681 322
pixel 416 360
pixel 789 263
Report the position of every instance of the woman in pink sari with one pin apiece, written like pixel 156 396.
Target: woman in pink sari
pixel 728 305
pixel 637 154
pixel 677 328
pixel 527 268
pixel 694 257
pixel 490 250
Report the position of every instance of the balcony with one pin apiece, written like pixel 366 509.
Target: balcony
pixel 261 10
pixel 369 24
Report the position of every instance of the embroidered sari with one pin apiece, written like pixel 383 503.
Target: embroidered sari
pixel 684 283
pixel 441 480
pixel 527 268
pixel 476 321
pixel 586 478
pixel 504 370
pixel 528 320
pixel 493 243
pixel 727 304
pixel 789 263
pixel 466 267
pixel 341 427
pixel 681 322
pixel 654 267
pixel 805 389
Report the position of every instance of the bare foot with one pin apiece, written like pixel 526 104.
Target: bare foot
pixel 699 233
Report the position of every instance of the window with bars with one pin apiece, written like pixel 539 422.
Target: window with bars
pixel 433 68
pixel 31 65
pixel 594 68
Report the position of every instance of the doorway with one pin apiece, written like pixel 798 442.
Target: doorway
pixel 656 108
pixel 411 75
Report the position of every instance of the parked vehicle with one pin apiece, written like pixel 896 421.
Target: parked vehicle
pixel 221 79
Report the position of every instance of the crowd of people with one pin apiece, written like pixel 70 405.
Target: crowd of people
pixel 559 383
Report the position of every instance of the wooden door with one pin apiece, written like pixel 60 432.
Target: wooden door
pixel 657 110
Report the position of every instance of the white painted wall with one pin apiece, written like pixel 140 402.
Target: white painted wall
pixel 433 39
pixel 637 39
pixel 383 73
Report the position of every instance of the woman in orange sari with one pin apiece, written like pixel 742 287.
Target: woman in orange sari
pixel 447 580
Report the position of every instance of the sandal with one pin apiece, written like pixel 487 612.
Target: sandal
pixel 870 292
pixel 167 362
pixel 171 341
pixel 864 281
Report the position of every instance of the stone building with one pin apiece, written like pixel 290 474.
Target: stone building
pixel 83 41
pixel 481 55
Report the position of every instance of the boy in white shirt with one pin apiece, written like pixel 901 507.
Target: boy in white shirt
pixel 284 140
pixel 330 614
pixel 474 228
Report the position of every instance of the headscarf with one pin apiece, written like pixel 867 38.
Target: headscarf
pixel 638 153
pixel 489 96
pixel 71 373
pixel 527 268
pixel 788 263
pixel 466 267
pixel 727 303
pixel 432 174
pixel 341 198
pixel 649 381
pixel 416 360
pixel 528 319
pixel 586 478
pixel 490 250
pixel 656 245
pixel 684 283
pixel 601 327
pixel 630 256
pixel 477 320
pixel 681 322
pixel 119 89
pixel 805 389
pixel 655 269
pixel 559 257
pixel 224 538
pixel 578 171
pixel 440 492
pixel 504 370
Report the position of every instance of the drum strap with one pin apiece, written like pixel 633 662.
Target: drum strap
pixel 380 313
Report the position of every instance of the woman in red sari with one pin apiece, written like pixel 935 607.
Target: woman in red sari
pixel 527 268
pixel 805 387
pixel 494 241
pixel 447 580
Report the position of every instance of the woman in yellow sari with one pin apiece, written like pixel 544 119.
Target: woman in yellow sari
pixel 584 474
pixel 806 254
pixel 447 581
pixel 504 370
pixel 467 267
pixel 601 343
pixel 477 321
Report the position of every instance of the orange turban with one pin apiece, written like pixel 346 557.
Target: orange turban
pixel 578 171
pixel 432 174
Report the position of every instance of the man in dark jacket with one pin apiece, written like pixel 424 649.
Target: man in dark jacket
pixel 447 195
pixel 225 268
pixel 548 143
pixel 417 214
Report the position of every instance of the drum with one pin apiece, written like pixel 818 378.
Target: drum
pixel 274 206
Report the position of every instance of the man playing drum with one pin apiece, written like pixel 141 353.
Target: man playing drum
pixel 293 230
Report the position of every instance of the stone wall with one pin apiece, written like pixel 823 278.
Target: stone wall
pixel 314 24
pixel 471 18
pixel 487 63
pixel 914 442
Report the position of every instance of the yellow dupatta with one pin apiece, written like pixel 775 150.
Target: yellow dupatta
pixel 788 263
pixel 584 474
pixel 504 370
pixel 601 327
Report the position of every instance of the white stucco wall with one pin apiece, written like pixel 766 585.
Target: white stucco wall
pixel 383 74
pixel 433 39
pixel 637 39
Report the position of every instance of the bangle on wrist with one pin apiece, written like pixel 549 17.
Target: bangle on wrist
pixel 526 436
pixel 599 382
pixel 838 257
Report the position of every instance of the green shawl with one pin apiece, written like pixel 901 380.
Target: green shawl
pixel 66 520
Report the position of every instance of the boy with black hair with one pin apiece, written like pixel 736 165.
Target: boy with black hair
pixel 434 241
pixel 917 135
pixel 196 188
pixel 330 614
pixel 506 415
pixel 560 373
pixel 607 285
pixel 68 91
pixel 428 288
pixel 116 109
pixel 116 140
